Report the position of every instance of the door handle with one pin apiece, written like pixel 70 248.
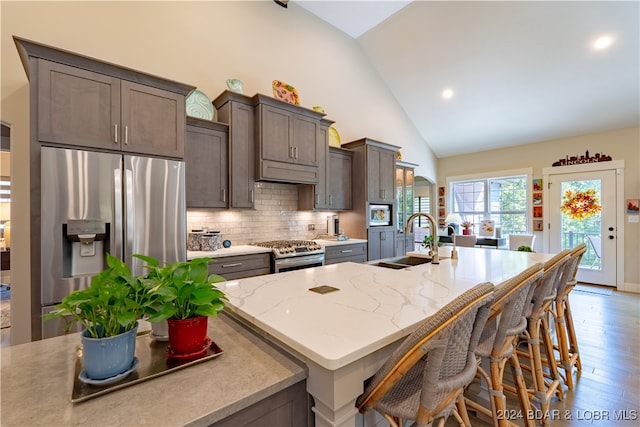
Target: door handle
pixel 126 135
pixel 116 233
pixel 115 134
pixel 128 211
pixel 234 264
pixel 610 228
pixel 611 237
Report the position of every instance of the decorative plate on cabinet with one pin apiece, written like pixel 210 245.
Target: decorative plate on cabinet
pixel 334 137
pixel 199 105
pixel 285 92
pixel 234 85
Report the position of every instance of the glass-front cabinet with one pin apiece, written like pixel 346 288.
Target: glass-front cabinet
pixel 404 208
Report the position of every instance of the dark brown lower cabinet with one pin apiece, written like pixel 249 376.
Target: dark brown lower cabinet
pixel 404 243
pixel 240 266
pixel 382 242
pixel 290 407
pixel 356 252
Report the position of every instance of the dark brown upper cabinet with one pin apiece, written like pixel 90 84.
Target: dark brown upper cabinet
pixel 84 102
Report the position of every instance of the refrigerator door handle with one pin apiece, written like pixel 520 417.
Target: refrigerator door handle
pixel 116 248
pixel 128 214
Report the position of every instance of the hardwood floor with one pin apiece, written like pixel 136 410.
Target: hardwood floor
pixel 607 391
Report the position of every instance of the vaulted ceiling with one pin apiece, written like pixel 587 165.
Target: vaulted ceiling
pixel 519 71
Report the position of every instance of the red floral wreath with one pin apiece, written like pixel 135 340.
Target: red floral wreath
pixel 581 204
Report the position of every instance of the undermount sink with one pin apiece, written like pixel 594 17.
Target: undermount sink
pixel 400 262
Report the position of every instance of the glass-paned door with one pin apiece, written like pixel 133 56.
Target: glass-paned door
pixel 582 209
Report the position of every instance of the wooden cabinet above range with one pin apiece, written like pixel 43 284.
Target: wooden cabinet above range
pixel 290 142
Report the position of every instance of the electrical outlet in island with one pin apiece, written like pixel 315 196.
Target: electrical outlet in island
pixel 312 227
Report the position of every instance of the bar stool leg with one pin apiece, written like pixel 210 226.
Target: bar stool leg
pixel 573 341
pixel 521 390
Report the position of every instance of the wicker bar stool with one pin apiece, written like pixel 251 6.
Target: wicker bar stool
pixel 507 320
pixel 425 376
pixel 566 342
pixel 538 338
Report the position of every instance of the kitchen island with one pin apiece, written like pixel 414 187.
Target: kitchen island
pixel 345 335
pixel 37 380
pixel 340 337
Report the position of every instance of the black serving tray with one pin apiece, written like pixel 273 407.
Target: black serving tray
pixel 153 361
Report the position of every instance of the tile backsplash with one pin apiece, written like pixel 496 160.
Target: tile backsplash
pixel 275 218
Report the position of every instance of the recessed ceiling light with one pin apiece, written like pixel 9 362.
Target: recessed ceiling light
pixel 447 93
pixel 603 42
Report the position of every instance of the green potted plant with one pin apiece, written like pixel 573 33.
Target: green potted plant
pixel 466 227
pixel 524 248
pixel 426 242
pixel 109 310
pixel 185 296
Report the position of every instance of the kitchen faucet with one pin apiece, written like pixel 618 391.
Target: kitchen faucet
pixel 433 245
pixel 454 252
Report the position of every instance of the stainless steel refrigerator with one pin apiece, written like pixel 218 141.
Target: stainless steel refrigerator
pixel 94 203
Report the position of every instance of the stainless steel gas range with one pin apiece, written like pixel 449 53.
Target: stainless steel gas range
pixel 290 255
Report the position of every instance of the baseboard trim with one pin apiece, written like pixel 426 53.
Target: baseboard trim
pixel 630 287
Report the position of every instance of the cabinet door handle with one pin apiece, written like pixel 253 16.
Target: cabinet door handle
pixel 126 135
pixel 251 196
pixel 383 235
pixel 346 251
pixel 330 200
pixel 233 264
pixel 115 133
pixel 295 153
pixel 224 194
pixel 317 199
pixel 291 152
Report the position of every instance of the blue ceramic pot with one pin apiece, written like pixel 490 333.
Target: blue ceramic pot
pixel 106 357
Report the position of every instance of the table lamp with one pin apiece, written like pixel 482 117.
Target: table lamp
pixel 453 219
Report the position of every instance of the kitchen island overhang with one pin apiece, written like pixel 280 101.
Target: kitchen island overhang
pixel 344 336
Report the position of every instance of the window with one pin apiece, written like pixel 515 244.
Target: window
pixel 421 204
pixel 502 199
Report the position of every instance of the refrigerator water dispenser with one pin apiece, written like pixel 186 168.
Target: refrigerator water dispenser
pixel 86 238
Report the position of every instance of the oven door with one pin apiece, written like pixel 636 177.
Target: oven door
pixel 299 262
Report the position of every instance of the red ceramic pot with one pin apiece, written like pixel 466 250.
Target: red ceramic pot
pixel 467 231
pixel 187 335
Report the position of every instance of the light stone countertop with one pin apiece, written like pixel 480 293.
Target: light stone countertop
pixel 327 242
pixel 374 306
pixel 37 383
pixel 226 252
pixel 250 249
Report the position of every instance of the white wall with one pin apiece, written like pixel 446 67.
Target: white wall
pixel 203 44
pixel 622 144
